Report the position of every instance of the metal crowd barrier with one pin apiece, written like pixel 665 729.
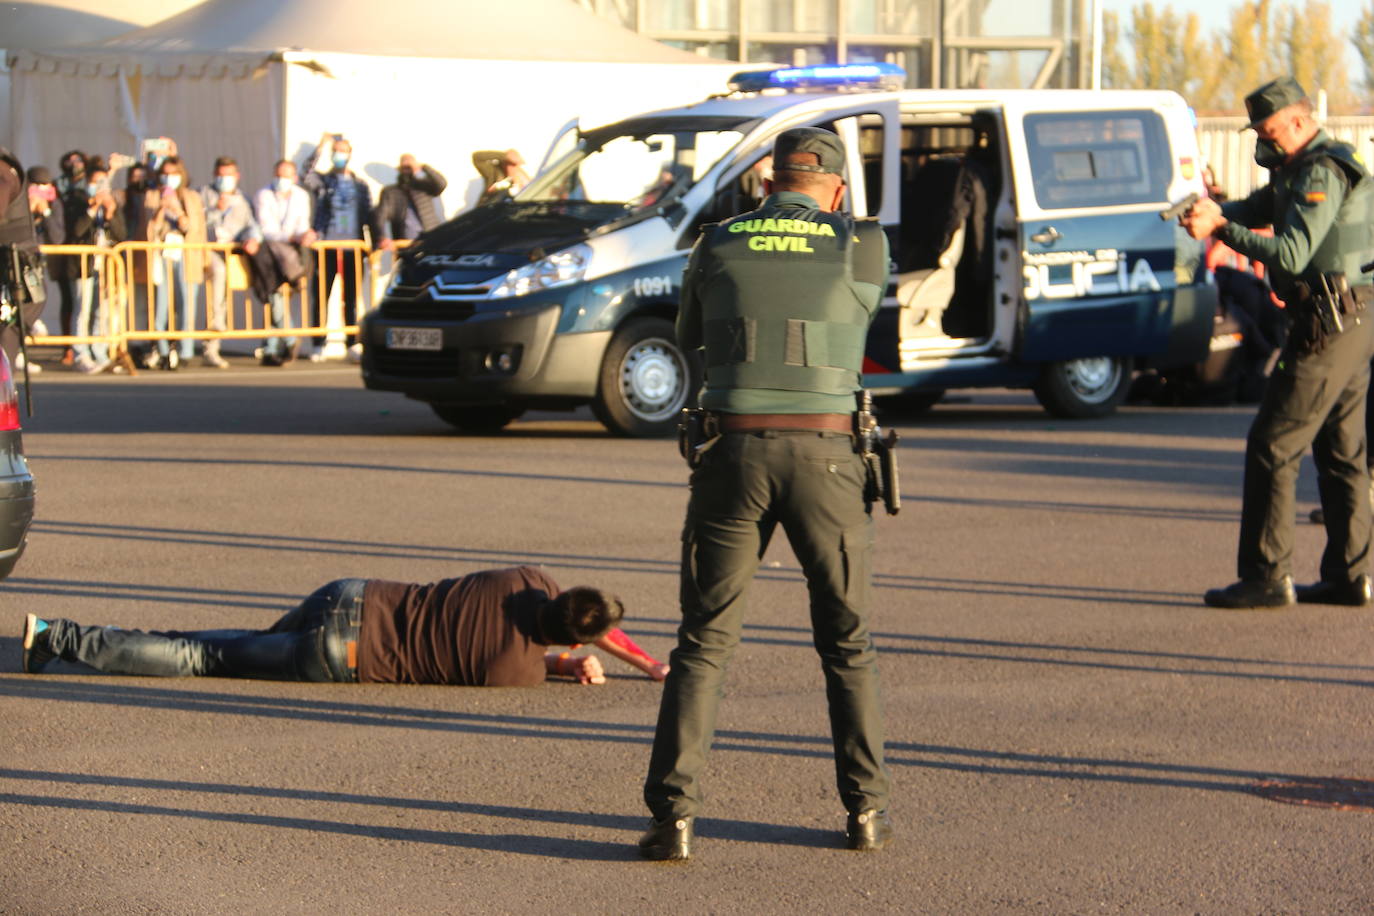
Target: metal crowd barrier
pixel 132 276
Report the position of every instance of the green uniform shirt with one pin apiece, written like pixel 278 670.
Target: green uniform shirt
pixel 781 299
pixel 1305 203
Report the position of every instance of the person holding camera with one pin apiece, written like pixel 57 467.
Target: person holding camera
pixel 101 225
pixel 343 206
pixel 177 216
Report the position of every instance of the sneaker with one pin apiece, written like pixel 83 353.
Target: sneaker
pixel 37 653
pixel 215 361
pixel 173 361
pixel 153 360
pixel 67 356
pixel 20 363
pixel 355 353
pixel 270 359
pixel 85 364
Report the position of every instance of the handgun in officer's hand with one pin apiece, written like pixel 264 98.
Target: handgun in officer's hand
pixel 1180 208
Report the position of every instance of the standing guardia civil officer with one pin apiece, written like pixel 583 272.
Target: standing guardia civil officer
pixel 23 287
pixel 780 300
pixel 1320 202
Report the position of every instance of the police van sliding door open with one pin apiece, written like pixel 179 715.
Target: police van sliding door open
pixel 951 166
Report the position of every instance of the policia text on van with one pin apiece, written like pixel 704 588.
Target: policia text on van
pixel 1026 246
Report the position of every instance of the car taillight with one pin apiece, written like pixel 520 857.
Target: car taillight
pixel 9 398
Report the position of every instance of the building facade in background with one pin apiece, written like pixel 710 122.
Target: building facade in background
pixel 940 43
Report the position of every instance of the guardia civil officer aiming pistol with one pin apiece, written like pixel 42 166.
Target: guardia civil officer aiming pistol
pixel 879 454
pixel 1180 208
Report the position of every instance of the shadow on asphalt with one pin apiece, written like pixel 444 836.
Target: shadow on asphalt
pixel 556 847
pixel 980 761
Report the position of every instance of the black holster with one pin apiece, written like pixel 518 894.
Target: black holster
pixel 879 454
pixel 697 431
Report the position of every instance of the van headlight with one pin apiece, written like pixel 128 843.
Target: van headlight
pixel 558 269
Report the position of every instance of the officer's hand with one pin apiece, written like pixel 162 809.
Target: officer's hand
pixel 658 672
pixel 587 669
pixel 1203 218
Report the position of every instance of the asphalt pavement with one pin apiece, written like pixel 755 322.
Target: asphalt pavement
pixel 1069 729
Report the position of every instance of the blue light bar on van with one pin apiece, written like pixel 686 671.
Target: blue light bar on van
pixel 823 76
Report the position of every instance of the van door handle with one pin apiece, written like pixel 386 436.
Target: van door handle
pixel 1047 236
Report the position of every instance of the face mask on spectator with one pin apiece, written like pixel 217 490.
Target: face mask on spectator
pixel 171 180
pixel 340 160
pixel 225 184
pixel 43 192
pixel 284 185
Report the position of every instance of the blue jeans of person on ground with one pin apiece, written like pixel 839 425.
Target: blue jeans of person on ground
pixel 90 320
pixel 309 643
pixel 174 270
pixel 281 320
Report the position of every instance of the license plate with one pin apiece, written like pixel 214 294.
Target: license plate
pixel 414 338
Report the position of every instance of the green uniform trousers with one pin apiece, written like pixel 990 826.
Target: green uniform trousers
pixel 1315 399
pixel 749 483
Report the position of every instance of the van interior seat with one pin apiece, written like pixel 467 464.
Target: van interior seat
pixel 934 214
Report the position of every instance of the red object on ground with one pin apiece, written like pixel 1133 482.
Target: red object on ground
pixel 618 637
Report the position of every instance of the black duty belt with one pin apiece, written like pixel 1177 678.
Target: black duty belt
pixel 755 422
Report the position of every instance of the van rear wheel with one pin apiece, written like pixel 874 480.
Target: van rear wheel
pixel 1084 388
pixel 645 380
pixel 477 418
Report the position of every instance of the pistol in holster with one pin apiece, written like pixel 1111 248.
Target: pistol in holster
pixel 879 454
pixel 697 431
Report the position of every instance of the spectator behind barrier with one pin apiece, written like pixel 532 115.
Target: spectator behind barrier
pixel 98 223
pixel 409 207
pixel 228 218
pixel 343 206
pixel 176 216
pixel 284 217
pixel 66 268
pixel 501 172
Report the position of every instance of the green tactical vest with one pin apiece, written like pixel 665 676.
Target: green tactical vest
pixel 781 310
pixel 1350 241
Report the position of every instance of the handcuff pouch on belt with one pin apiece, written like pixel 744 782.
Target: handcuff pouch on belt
pixel 697 431
pixel 879 454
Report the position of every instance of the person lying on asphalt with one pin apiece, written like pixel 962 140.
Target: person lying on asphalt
pixel 485 629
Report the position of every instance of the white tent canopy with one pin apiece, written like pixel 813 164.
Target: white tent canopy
pixel 510 30
pixel 262 79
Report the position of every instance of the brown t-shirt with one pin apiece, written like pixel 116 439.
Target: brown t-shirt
pixel 477 631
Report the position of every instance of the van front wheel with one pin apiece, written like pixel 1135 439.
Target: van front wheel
pixel 1084 388
pixel 645 381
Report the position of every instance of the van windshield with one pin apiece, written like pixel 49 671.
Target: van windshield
pixel 636 164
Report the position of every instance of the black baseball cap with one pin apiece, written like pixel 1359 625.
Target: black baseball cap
pixel 39 174
pixel 1271 97
pixel 821 143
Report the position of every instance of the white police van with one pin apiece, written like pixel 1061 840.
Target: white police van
pixel 1027 251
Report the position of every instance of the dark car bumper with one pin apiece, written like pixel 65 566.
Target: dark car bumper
pixel 16 501
pixel 487 357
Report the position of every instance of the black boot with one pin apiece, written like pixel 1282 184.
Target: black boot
pixel 1354 594
pixel 1253 593
pixel 868 831
pixel 668 839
